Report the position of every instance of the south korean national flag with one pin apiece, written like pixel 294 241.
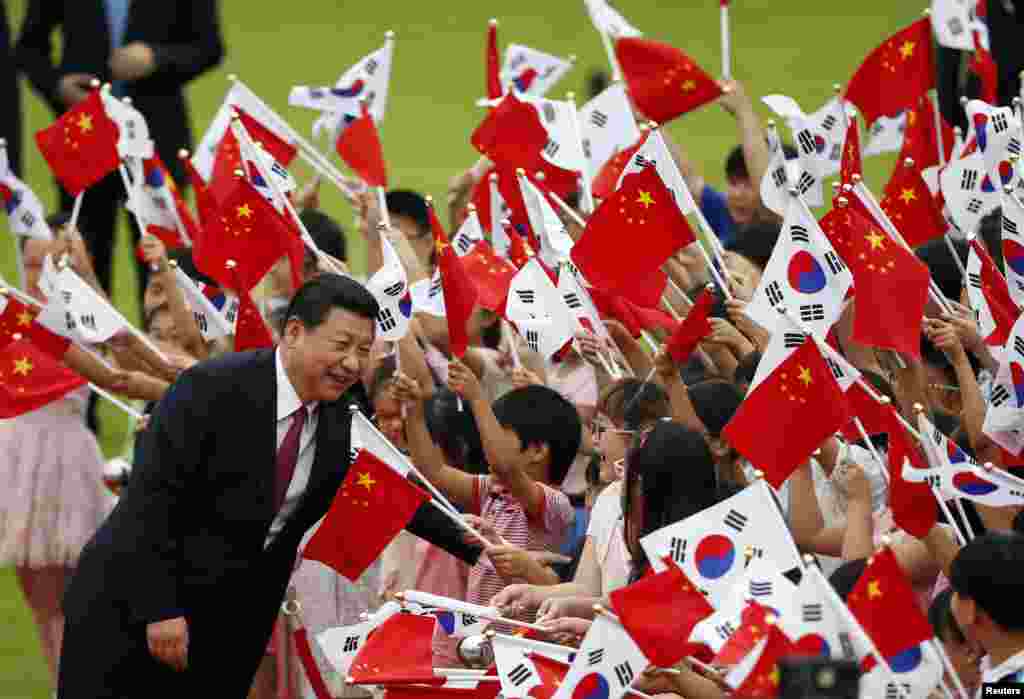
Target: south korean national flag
pixel 1013 244
pixel 559 118
pixel 469 234
pixel 390 286
pixel 712 546
pixel 829 128
pixel 530 72
pixel 555 241
pixel 969 191
pixel 607 663
pixel 607 126
pixel 1004 419
pixel 133 132
pixel 211 322
pixel 25 213
pixel 517 671
pixel 952 21
pixel 368 80
pixel 781 175
pixel 654 151
pixel 810 147
pixel 886 135
pixel 538 310
pixel 804 274
pixel 997 131
pixel 341 644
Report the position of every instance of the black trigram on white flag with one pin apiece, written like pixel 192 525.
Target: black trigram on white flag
pixel 549 112
pixel 736 520
pixel 1013 147
pixel 829 122
pixel 386 320
pixel 806 142
pixel 435 287
pixel 999 395
pixel 791 340
pixel 519 674
pixel 725 630
pixel 677 549
pixel 893 692
pixel 643 162
pixel 974 205
pixel 760 588
pixel 463 243
pixel 806 181
pixel 779 176
pixel 999 122
pixel 595 657
pixel 351 644
pixel 1010 226
pixel 799 234
pixel 598 118
pixel 395 289
pixel 204 326
pixel 834 262
pixel 572 300
pixel 774 293
pixel 837 371
pixel 533 340
pixel 551 148
pixel 969 180
pixel 526 295
pixel 811 312
pixel 370 66
pixel 813 612
pixel 974 279
pixel 27 218
pixel 624 674
pixel 87 321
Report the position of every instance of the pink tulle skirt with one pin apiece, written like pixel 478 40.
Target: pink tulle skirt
pixel 52 497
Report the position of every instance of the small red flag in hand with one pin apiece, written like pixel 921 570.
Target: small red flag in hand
pixel 460 293
pixel 804 405
pixel 758 676
pixel 30 378
pixel 280 150
pixel 359 146
pixel 607 179
pixel 632 233
pixel 251 331
pixel 373 504
pixel 851 162
pixel 883 270
pixel 662 81
pixel 399 651
pixel 512 134
pixel 81 146
pixel 18 321
pixel 493 62
pixel 919 142
pixel 884 603
pixel 904 64
pixel 912 504
pixel 660 611
pixel 909 204
pixel 206 205
pixel 753 628
pixel 694 328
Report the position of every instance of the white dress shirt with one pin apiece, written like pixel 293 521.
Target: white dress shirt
pixel 287 403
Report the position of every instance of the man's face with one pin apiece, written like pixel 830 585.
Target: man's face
pixel 743 200
pixel 327 360
pixel 422 242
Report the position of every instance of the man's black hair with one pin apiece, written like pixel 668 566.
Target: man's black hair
pixel 935 255
pixel 756 242
pixel 990 571
pixel 314 300
pixel 736 164
pixel 620 403
pixel 328 235
pixel 746 368
pixel 715 401
pixel 405 202
pixel 539 415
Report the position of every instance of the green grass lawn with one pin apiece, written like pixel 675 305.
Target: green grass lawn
pixel 788 46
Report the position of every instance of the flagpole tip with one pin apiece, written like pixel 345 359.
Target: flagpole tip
pixel 400 596
pixel 389 35
pixel 493 177
pixel 771 619
pixel 758 474
pixel 539 176
pixel 771 123
pixel 94 83
pixel 572 58
pixel 856 178
pixel 908 162
pixel 230 264
pixel 808 559
pixel 570 96
pixel 471 208
pixel 127 100
pixel 793 191
pixel 353 408
pixel 489 634
pixel 232 77
pixel 173 264
pixel 350 680
pixel 183 154
pixel 16 337
pixel 492 22
pixel 1016 101
pixel 964 101
pixel 1008 189
pixel 599 609
pixel 886 541
pixel 816 452
pixel 239 173
pixel 958 131
pixel 843 202
pixel 430 200
pixel 652 125
pixel 988 466
pixel 885 400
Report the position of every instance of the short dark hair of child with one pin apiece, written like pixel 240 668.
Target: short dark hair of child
pixel 454 431
pixel 540 415
pixel 989 570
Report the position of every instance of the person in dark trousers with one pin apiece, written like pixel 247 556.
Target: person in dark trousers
pixel 10 115
pixel 177 593
pixel 148 51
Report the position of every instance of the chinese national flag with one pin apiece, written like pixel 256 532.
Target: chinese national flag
pixel 206 205
pixel 694 328
pixel 493 63
pixel 1001 305
pixel 909 204
pixel 226 161
pixel 634 318
pixel 607 179
pixel 248 230
pixel 491 274
pixel 399 651
pixel 660 611
pixel 359 146
pixel 804 405
pixel 851 162
pixel 752 630
pixel 631 234
pixel 895 74
pixel 30 378
pixel 460 293
pixel 373 504
pixel 884 603
pixel 882 271
pixel 663 82
pixel 81 146
pixel 984 67
pixel 912 504
pixel 874 416
pixel 762 680
pixel 280 150
pixel 519 251
pixel 251 331
pixel 18 321
pixel 919 138
pixel 512 134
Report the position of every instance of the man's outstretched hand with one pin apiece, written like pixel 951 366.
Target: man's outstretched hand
pixel 168 642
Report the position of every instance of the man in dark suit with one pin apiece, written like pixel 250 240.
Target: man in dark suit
pixel 178 591
pixel 148 51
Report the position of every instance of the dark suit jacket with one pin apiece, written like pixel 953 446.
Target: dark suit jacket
pixel 187 537
pixel 184 35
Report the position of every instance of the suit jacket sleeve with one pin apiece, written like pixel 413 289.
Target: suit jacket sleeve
pixel 34 50
pixel 432 525
pixel 184 61
pixel 157 498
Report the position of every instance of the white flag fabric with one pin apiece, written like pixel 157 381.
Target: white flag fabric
pixel 1013 244
pixel 1004 419
pixel 559 118
pixel 133 132
pixel 555 241
pixel 151 200
pixel 261 168
pixel 606 664
pixel 829 127
pixel 341 644
pixel 918 670
pixel 804 274
pixel 25 213
pixel 776 181
pixel 958 476
pixel 428 296
pixel 607 126
pixel 390 286
pixel 365 436
pixel 88 317
pixel 952 23
pixel 516 670
pixel 886 135
pixel 528 71
pixel 711 545
pixel 368 80
pixel 969 191
pixel 997 131
pixel 469 234
pixel 814 150
pixel 610 21
pixel 585 315
pixel 212 323
pixel 976 296
pixel 538 310
pixel 654 151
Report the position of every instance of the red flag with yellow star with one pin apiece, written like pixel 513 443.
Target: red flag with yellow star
pixel 909 204
pixel 632 233
pixel 884 603
pixel 912 504
pixel 250 231
pixel 883 270
pixel 984 67
pixel 758 674
pixel 607 179
pixel 919 137
pixel 206 205
pixel 81 146
pixel 18 321
pixel 895 74
pixel 30 379
pixel 460 294
pixel 359 146
pixel 851 162
pixel 804 405
pixel 251 331
pixel 512 135
pixel 752 630
pixel 373 504
pixel 694 328
pixel 662 81
pixel 660 611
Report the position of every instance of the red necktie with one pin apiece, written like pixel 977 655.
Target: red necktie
pixel 288 456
